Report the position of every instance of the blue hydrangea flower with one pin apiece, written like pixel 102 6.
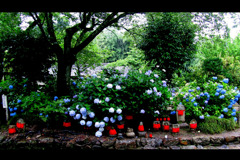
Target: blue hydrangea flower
pixel 193 99
pixel 107 99
pixel 40 114
pixel 187 100
pixel 223 91
pixel 198 88
pixel 19 101
pixel 83 110
pixel 13 114
pixel 233 113
pixel 222 96
pixel 195 104
pixel 96 101
pixel 222 116
pixel 106 119
pixel 11 87
pixel 230 106
pixel 159 94
pixel 66 100
pixel 215 78
pixel 225 110
pixel 226 80
pixel 201 117
pixel 149 91
pixel 112 120
pixel 235 118
pixel 89 123
pixel 72 113
pixel 206 102
pixel 74 83
pixel 206 93
pixel 15 108
pixel 216 94
pixel 220 86
pixel 102 124
pixel 201 94
pixel 75 96
pixel 55 98
pixel 218 90
pixel 91 115
pixel 164 85
pixel 197 96
pixel 10 109
pixel 234 110
pixel 119 118
pixel 173 112
pixel 78 116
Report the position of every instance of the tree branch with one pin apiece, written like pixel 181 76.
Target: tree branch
pixel 107 22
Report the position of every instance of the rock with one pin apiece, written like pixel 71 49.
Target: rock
pixel 125 144
pixel 174 147
pixel 230 139
pixel 143 141
pixel 185 141
pixel 158 142
pixel 170 142
pixel 130 133
pixel 46 140
pixel 2 138
pixel 142 134
pixel 108 143
pixel 81 139
pixel 200 147
pixel 217 140
pixel 201 140
pixel 189 147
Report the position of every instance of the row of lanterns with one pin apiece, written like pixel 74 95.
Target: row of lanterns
pixel 20 126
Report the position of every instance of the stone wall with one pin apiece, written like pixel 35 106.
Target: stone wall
pixel 67 141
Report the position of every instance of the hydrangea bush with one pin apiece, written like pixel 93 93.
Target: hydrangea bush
pixel 214 98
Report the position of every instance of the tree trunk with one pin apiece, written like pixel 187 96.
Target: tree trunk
pixel 63 76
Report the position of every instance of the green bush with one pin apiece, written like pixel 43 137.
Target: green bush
pixel 213 66
pixel 214 125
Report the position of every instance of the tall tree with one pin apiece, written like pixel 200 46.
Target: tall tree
pixel 67 40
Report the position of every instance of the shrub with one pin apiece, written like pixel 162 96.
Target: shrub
pixel 213 66
pixel 214 125
pixel 213 98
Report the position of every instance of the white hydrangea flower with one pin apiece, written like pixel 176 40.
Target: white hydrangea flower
pixel 109 85
pixel 142 111
pixel 101 129
pixel 98 134
pixel 89 123
pixel 107 99
pixel 119 111
pixel 96 101
pixel 111 110
pixel 97 124
pixel 78 116
pixel 118 87
pixel 101 124
pixel 82 122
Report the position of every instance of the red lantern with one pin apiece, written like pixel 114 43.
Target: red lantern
pixel 168 118
pixel 141 127
pixel 175 128
pixel 20 124
pixel 160 119
pixel 180 112
pixel 193 124
pixel 120 126
pixel 165 126
pixel 112 132
pixel 11 129
pixel 66 124
pixel 128 117
pixel 164 119
pixel 156 125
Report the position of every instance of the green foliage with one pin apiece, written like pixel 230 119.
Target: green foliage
pixel 213 66
pixel 214 125
pixel 169 40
